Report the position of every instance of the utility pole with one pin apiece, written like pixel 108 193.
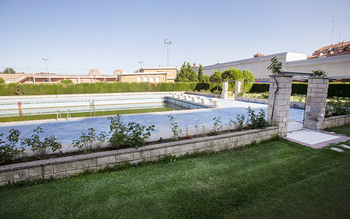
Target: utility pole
pixel 166 41
pixel 332 33
pixel 46 59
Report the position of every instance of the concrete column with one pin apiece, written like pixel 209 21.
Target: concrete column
pixel 238 86
pixel 224 90
pixel 317 91
pixel 279 100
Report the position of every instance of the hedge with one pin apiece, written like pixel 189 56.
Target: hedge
pixel 100 87
pixel 334 89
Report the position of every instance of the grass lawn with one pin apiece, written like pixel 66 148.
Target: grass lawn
pixel 344 130
pixel 85 114
pixel 278 179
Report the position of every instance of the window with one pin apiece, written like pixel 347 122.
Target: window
pixel 46 81
pixel 157 79
pixel 138 79
pixel 151 79
pixel 144 79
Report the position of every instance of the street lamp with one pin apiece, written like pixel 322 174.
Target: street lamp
pixel 46 59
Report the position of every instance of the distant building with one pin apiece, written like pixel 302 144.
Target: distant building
pixel 151 75
pixel 334 59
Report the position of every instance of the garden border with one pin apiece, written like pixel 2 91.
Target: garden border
pixel 72 165
pixel 336 121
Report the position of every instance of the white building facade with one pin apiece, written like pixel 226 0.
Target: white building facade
pixel 336 67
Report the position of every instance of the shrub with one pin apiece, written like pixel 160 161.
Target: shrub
pixel 66 81
pixel 240 123
pixel 132 135
pixel 2 81
pixel 89 140
pixel 259 88
pixel 174 128
pixel 256 121
pixel 8 149
pixel 337 108
pixel 40 147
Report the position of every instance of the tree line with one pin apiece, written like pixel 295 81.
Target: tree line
pixel 187 74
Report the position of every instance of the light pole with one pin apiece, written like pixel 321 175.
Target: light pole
pixel 46 59
pixel 166 41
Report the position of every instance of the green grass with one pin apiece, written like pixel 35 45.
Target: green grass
pixel 278 179
pixel 344 130
pixel 87 114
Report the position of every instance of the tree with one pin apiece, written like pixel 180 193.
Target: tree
pixel 186 74
pixel 205 79
pixel 232 74
pixel 248 77
pixel 200 73
pixel 275 67
pixel 216 78
pixel 9 71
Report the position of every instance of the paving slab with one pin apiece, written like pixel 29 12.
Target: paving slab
pixel 315 139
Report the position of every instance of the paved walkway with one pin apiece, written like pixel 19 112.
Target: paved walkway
pixel 315 139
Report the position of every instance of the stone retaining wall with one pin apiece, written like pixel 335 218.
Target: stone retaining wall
pixel 254 100
pixel 299 105
pixel 336 121
pixel 67 166
pixel 203 94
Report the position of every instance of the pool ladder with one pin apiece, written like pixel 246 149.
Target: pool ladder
pixel 60 116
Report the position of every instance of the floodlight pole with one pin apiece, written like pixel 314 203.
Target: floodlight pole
pixel 166 41
pixel 46 59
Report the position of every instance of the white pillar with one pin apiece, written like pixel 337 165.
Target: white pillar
pixel 238 86
pixel 224 90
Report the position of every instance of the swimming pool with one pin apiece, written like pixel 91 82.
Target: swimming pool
pixel 92 103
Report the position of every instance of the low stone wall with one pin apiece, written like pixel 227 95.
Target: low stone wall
pixel 299 105
pixel 203 94
pixel 67 166
pixel 336 121
pixel 254 100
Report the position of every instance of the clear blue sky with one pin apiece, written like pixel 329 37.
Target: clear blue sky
pixel 117 34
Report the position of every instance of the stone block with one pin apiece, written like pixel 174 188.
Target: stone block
pixel 105 160
pixel 86 164
pixel 141 155
pixel 74 172
pixel 158 152
pixel 124 157
pixel 59 175
pixel 187 148
pixel 48 169
pixel 63 167
pixel 173 150
pixel 200 145
pixel 16 175
pixel 35 171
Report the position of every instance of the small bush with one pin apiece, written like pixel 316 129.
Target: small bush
pixel 257 121
pixel 132 135
pixel 8 149
pixel 40 147
pixel 90 140
pixel 66 81
pixel 337 108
